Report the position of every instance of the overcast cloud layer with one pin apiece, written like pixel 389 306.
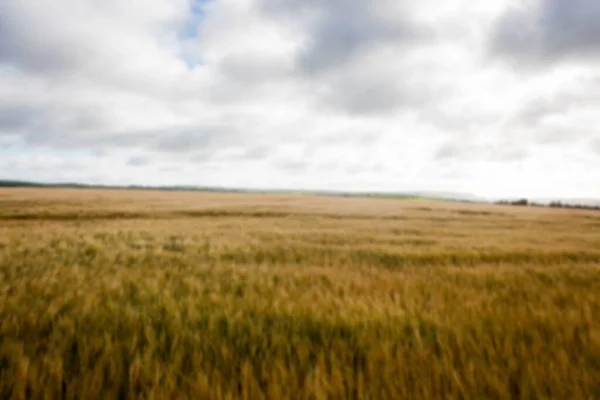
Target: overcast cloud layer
pixel 498 99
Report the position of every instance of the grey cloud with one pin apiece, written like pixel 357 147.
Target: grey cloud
pixel 79 132
pixel 559 116
pixel 201 156
pixel 359 137
pixel 343 32
pixel 343 41
pixel 170 169
pixel 450 151
pixel 336 30
pixel 535 111
pixel 550 31
pixel 595 144
pixel 201 142
pixel 553 135
pixel 565 134
pixel 257 153
pixel 541 112
pixel 100 153
pixel 138 161
pixel 189 139
pixel 466 151
pixel 65 126
pixel 365 167
pixel 251 68
pixel 560 103
pixel 462 121
pixel 243 152
pixel 93 45
pixel 293 165
pixel 27 46
pixel 16 117
pixel 507 152
pixel 373 95
pixel 244 77
pixel 82 127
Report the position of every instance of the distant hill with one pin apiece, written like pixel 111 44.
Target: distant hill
pixel 13 183
pixel 433 195
pixel 392 195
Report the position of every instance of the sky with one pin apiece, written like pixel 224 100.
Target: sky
pixel 492 98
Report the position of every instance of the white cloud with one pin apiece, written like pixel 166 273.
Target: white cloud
pixel 383 95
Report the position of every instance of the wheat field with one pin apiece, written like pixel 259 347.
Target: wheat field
pixel 109 294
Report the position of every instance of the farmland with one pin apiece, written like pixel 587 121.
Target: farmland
pixel 156 295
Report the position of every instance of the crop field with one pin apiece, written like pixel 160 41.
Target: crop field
pixel 181 295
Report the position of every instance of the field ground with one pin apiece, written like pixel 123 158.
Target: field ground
pixel 132 294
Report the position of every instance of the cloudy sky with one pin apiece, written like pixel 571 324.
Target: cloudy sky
pixel 494 98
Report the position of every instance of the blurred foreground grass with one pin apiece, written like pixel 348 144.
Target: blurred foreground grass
pixel 107 294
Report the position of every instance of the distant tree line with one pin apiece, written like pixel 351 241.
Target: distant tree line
pixel 552 204
pixel 5 183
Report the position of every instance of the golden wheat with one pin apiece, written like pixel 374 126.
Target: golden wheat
pixel 133 294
